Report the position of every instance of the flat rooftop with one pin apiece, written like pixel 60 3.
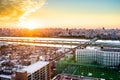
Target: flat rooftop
pixel 111 49
pixel 36 66
pixel 106 49
pixel 5 76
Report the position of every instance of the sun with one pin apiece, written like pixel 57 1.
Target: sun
pixel 30 24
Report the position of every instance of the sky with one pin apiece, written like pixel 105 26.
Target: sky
pixel 80 13
pixel 65 13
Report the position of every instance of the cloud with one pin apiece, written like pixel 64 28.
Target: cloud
pixel 12 10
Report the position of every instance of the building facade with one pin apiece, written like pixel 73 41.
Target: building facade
pixel 105 57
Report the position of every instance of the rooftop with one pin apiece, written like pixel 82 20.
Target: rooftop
pixel 6 76
pixel 25 58
pixel 106 49
pixel 36 66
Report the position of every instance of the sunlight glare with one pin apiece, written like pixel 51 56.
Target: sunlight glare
pixel 31 24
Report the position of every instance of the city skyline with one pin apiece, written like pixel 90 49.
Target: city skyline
pixel 59 39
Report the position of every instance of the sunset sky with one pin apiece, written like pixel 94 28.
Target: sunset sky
pixel 78 14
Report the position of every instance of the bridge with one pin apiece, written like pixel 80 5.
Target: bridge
pixel 41 40
pixel 57 41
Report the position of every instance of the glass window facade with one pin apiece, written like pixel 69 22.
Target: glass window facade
pixel 105 58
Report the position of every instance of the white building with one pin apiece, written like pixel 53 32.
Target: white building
pixel 103 56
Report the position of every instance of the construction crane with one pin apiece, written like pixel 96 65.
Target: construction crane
pixel 87 43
